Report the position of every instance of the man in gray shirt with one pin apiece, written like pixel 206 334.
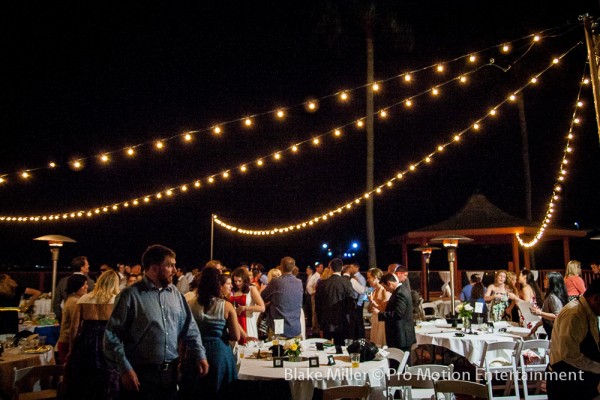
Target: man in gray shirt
pixel 141 338
pixel 285 295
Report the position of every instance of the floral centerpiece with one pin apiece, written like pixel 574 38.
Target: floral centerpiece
pixel 292 349
pixel 465 311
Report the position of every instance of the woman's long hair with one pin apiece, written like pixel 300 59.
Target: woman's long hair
pixel 7 286
pixel 556 286
pixel 573 268
pixel 477 291
pixel 534 286
pixel 107 287
pixel 241 272
pixel 209 286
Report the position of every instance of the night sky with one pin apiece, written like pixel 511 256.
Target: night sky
pixel 82 78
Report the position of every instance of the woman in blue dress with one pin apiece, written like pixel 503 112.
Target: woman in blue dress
pixel 217 321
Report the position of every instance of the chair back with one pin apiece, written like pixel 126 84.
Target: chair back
pixel 410 386
pixel 501 358
pixel 430 310
pixel 346 392
pixel 498 351
pixel 533 361
pixel 400 356
pixel 462 387
pixel 38 382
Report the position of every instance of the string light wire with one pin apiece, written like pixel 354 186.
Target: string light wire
pixel 217 129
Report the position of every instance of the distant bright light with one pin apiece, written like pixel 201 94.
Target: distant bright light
pixel 329 253
pixel 324 245
pixel 354 245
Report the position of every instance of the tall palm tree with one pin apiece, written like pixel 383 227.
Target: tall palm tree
pixel 376 20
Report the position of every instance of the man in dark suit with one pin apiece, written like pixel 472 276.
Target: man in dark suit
pixel 398 314
pixel 334 301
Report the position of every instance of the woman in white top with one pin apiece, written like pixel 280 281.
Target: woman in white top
pixel 249 304
pixel 377 301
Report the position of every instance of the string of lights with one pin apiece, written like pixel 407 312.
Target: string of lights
pixel 338 210
pixel 279 114
pixel 560 177
pixel 197 184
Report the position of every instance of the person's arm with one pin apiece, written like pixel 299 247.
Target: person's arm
pixel 259 304
pixel 397 311
pixel 116 331
pixel 357 286
pixel 75 322
pixel 233 326
pixel 190 335
pixel 268 292
pixel 535 328
pixel 489 294
pixel 34 293
pixel 579 285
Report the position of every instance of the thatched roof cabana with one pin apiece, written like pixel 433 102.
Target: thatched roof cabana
pixel 486 224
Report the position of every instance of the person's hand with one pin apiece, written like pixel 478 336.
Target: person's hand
pixel 375 310
pixel 130 381
pixel 202 367
pixel 251 339
pixel 535 311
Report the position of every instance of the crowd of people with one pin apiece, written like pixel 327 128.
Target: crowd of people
pixel 154 330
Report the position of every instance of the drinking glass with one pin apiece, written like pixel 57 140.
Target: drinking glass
pixel 355 360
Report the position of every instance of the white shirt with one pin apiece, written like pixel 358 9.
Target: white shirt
pixel 311 285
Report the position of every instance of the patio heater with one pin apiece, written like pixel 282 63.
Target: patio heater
pixel 55 242
pixel 426 252
pixel 450 242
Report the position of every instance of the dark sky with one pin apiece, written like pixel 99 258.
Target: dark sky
pixel 82 78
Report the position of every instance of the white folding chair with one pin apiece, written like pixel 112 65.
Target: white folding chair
pixel 430 311
pixel 533 361
pixel 38 382
pixel 407 384
pixel 500 359
pixel 401 357
pixel 468 388
pixel 431 372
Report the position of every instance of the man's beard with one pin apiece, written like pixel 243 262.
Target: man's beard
pixel 166 280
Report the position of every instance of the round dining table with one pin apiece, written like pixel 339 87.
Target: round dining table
pixel 469 346
pixel 303 379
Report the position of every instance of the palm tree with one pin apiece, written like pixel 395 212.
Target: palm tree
pixel 376 20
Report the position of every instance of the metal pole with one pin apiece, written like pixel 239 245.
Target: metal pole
pixel 54 251
pixel 212 234
pixel 451 259
pixel 593 61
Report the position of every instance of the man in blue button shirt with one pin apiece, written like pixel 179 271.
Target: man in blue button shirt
pixel 149 319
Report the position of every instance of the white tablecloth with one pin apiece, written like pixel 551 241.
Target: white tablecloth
pixel 303 379
pixel 468 346
pixel 42 307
